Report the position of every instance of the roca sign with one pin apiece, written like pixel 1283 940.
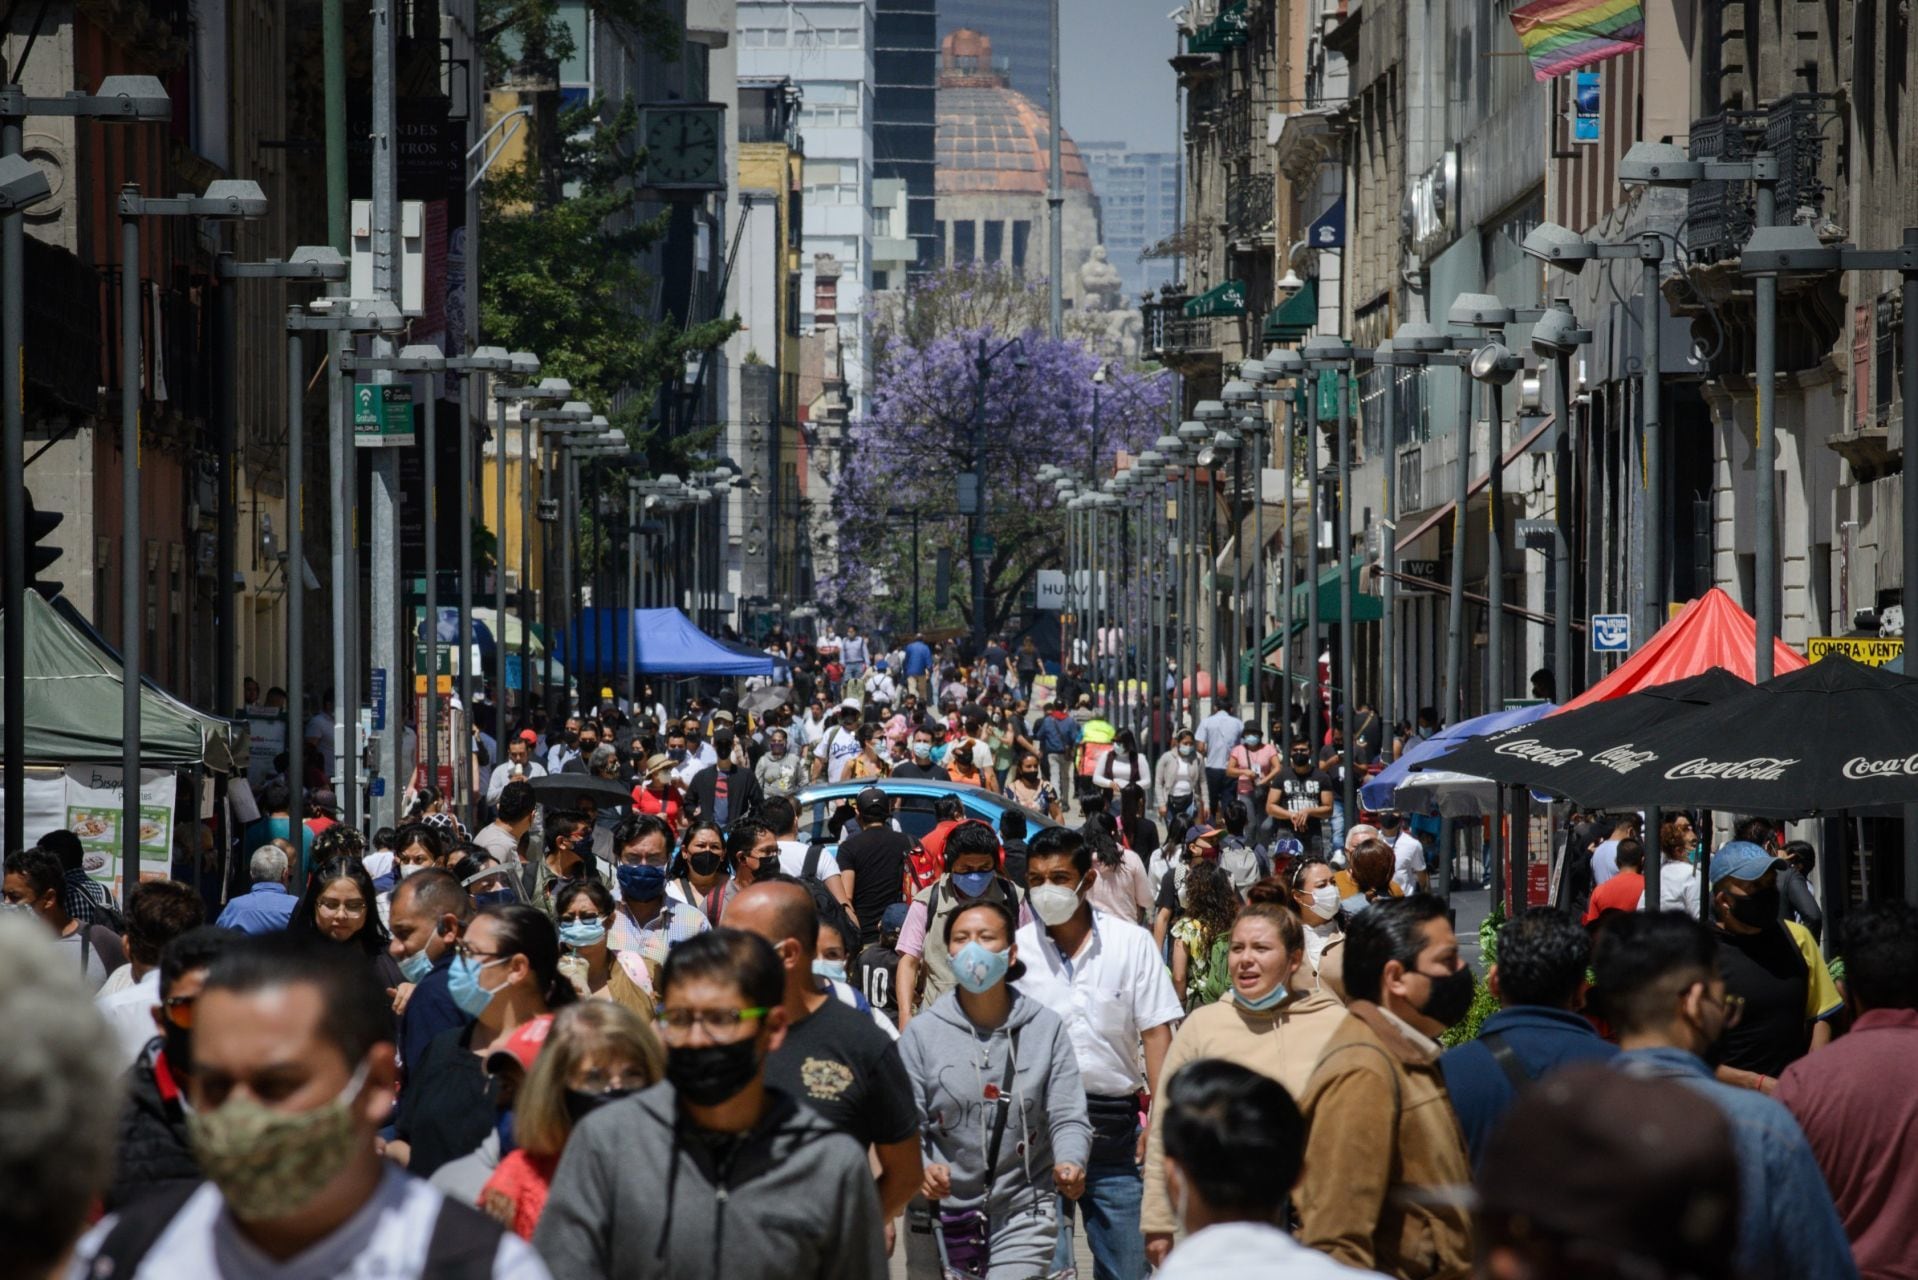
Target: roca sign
pixel 1858 767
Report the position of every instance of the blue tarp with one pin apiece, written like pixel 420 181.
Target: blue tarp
pixel 1380 792
pixel 667 643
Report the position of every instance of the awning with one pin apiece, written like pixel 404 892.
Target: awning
pixel 666 642
pixel 1294 318
pixel 1365 608
pixel 1711 631
pixel 1223 32
pixel 1226 299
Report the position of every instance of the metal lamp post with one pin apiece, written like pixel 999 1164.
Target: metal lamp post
pixel 1339 356
pixel 1388 357
pixel 127 99
pixel 1491 365
pixel 525 365
pixel 572 411
pixel 328 316
pixel 570 425
pixel 1225 444
pixel 1555 336
pixel 1566 249
pixel 1173 450
pixel 225 199
pixel 1797 250
pixel 1663 164
pixel 1286 367
pixel 1194 435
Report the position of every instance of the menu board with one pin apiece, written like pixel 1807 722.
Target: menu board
pixel 94 813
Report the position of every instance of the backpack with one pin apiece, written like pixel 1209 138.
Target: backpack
pixel 922 870
pixel 824 905
pixel 1218 972
pixel 463 1246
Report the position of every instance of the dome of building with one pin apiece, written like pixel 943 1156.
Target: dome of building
pixel 992 138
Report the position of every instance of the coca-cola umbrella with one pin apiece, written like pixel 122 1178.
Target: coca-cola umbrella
pixel 1833 736
pixel 1578 753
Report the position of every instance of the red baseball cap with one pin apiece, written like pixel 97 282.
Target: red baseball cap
pixel 528 737
pixel 522 1046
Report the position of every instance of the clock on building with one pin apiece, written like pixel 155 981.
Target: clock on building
pixel 685 145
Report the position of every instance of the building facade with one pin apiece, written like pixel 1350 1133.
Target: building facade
pixel 1138 207
pixel 905 120
pixel 1021 35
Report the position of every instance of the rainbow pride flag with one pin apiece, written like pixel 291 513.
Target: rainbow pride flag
pixel 1562 35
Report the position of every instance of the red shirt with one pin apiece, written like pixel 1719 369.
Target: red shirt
pixel 1855 1102
pixel 648 801
pixel 1620 893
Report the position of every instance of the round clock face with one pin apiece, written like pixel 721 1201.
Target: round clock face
pixel 682 146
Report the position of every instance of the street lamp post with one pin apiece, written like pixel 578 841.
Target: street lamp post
pixel 1555 336
pixel 1193 434
pixel 126 99
pixel 1287 368
pixel 1339 356
pixel 1388 357
pixel 1797 250
pixel 1172 646
pixel 1493 366
pixel 1570 251
pixel 225 198
pixel 525 365
pixel 572 411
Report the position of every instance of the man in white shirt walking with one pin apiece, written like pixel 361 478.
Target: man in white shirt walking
pixel 1104 977
pixel 1218 733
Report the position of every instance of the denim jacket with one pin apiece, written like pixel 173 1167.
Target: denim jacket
pixel 1788 1228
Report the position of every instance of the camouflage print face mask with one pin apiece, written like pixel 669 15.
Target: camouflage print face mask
pixel 268 1163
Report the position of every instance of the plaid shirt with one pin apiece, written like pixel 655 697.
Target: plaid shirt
pixel 82 894
pixel 675 923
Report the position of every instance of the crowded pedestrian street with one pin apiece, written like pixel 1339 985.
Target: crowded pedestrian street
pixel 957 640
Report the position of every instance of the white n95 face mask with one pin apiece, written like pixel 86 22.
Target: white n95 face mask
pixel 1053 903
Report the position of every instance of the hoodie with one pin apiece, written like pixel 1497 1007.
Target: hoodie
pixel 952 1067
pixel 639 1192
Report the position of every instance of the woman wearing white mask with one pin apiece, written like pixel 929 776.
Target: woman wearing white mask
pixel 1271 1022
pixel 1313 891
pixel 1000 1106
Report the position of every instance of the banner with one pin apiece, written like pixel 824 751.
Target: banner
pixel 1873 651
pixel 92 811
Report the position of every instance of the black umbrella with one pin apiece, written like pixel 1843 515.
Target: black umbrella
pixel 1579 753
pixel 1833 736
pixel 565 790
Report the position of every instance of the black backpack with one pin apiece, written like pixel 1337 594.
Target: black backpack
pixel 825 906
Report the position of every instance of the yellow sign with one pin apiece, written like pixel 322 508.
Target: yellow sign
pixel 1871 650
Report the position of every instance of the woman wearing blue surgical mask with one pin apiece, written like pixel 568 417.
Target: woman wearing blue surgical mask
pixel 341 906
pixel 584 911
pixel 1001 1109
pixel 504 976
pixel 1270 1021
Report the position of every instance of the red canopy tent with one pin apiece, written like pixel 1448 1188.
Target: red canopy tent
pixel 1711 631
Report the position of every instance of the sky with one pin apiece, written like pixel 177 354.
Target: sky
pixel 1115 84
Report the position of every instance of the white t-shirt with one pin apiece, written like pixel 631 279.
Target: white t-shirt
pixel 1677 888
pixel 1408 861
pixel 1109 994
pixel 320 729
pixel 1604 862
pixel 1250 1251
pixel 129 1011
pixel 792 860
pixel 503 774
pixel 386 1240
pixel 837 746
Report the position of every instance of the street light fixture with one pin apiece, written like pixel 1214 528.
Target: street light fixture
pixel 1337 355
pixel 227 198
pixel 1493 365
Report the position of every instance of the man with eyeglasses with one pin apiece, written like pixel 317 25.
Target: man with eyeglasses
pixel 649 922
pixel 713 1171
pixel 151 1150
pixel 1667 999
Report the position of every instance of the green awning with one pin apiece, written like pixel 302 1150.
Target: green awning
pixel 1227 31
pixel 1226 299
pixel 1294 318
pixel 1365 608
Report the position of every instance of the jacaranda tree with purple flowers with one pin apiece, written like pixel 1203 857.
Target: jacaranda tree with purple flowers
pixel 906 455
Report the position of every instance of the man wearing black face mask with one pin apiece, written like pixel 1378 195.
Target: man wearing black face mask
pixel 152 1152
pixel 1383 1156
pixel 713 1171
pixel 1658 978
pixel 1773 966
pixel 1301 799
pixel 725 791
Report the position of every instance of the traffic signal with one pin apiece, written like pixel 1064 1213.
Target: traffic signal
pixel 40 555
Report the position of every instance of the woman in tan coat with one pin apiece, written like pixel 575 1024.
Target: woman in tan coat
pixel 1271 1023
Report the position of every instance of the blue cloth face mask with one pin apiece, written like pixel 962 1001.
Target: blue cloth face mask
pixel 416 966
pixel 972 883
pixel 834 969
pixel 1272 999
pixel 582 933
pixel 978 968
pixel 462 983
pixel 640 883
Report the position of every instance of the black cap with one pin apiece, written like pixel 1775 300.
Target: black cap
pixel 872 802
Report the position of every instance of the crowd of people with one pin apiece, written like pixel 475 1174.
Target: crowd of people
pixel 1185 1016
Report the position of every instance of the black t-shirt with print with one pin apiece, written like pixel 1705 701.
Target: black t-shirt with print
pixel 844 1067
pixel 1304 793
pixel 876 974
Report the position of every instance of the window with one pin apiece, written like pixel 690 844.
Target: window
pixel 1021 238
pixel 881 281
pixel 995 240
pixel 964 246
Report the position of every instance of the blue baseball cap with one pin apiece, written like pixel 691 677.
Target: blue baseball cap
pixel 894 918
pixel 1741 860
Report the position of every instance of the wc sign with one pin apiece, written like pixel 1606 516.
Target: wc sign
pixel 1611 633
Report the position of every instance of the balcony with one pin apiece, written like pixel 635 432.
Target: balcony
pixel 1248 211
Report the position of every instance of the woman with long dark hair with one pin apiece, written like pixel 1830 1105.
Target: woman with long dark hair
pixel 702 873
pixel 1198 963
pixel 341 905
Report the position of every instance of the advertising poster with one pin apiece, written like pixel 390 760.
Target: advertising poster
pixel 93 812
pixel 267 739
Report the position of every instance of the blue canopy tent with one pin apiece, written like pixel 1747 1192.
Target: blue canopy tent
pixel 1471 794
pixel 665 641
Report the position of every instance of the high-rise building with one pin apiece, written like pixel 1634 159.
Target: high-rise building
pixel 1021 34
pixel 906 64
pixel 1138 207
pixel 825 47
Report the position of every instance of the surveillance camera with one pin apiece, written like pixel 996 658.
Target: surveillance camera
pixel 1289 284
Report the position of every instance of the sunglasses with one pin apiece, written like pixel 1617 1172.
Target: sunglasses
pixel 178 1010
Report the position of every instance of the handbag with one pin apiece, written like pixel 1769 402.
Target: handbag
pixel 965 1235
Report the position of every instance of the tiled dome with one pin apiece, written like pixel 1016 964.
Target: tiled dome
pixel 992 138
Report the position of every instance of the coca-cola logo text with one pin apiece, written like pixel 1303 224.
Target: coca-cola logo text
pixel 1531 749
pixel 1858 767
pixel 1760 769
pixel 1622 759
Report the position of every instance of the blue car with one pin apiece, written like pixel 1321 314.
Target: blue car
pixel 912 805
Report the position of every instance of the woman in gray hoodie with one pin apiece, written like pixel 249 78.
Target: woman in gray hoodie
pixel 1000 1106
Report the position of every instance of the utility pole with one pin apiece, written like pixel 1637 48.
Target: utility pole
pixel 388 658
pixel 1055 192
